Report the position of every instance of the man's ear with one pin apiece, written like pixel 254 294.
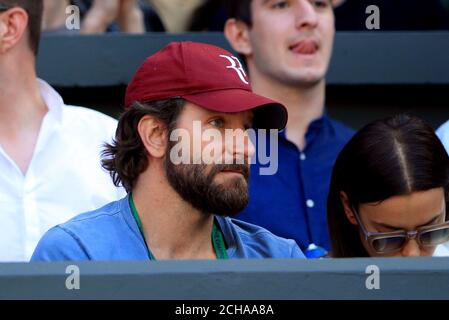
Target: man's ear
pixel 13 25
pixel 153 135
pixel 347 208
pixel 237 33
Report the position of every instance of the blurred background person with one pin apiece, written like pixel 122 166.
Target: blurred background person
pixel 389 192
pixel 97 16
pixel 54 17
pixel 176 16
pixel 102 13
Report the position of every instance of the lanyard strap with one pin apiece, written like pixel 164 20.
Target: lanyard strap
pixel 217 236
pixel 139 224
pixel 219 243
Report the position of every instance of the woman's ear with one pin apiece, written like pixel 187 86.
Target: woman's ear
pixel 347 208
pixel 237 33
pixel 153 135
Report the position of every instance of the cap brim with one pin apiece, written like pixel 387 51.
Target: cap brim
pixel 268 114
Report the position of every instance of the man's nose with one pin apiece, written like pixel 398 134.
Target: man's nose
pixel 241 145
pixel 411 249
pixel 305 14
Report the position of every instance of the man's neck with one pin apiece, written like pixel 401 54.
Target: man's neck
pixel 304 104
pixel 173 229
pixel 22 109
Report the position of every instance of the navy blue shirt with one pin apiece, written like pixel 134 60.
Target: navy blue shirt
pixel 292 202
pixel 112 233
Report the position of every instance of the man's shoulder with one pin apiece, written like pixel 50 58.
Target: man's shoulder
pixel 262 242
pixel 105 215
pixel 78 238
pixel 81 117
pixel 249 230
pixel 88 116
pixel 341 129
pixel 77 110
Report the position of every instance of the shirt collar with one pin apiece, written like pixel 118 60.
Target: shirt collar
pixel 314 126
pixel 222 222
pixel 125 209
pixel 52 99
pixel 317 124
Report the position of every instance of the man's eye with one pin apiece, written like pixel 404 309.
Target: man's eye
pixel 321 3
pixel 216 122
pixel 280 5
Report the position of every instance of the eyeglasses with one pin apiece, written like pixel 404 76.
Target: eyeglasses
pixel 391 242
pixel 4 7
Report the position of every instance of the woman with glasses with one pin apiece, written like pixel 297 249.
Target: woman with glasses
pixel 389 191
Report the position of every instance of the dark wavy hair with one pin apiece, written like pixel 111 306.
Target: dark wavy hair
pixel 126 158
pixel 240 10
pixel 390 157
pixel 34 9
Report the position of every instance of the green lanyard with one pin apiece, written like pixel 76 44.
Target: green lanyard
pixel 217 236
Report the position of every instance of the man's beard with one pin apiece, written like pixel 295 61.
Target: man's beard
pixel 196 186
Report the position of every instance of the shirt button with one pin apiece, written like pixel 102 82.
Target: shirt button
pixel 310 203
pixel 302 156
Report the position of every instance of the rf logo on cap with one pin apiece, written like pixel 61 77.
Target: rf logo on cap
pixel 239 69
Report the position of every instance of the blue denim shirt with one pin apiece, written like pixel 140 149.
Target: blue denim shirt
pixel 292 202
pixel 112 233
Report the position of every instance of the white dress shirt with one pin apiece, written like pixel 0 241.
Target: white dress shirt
pixel 65 177
pixel 443 134
pixel 442 250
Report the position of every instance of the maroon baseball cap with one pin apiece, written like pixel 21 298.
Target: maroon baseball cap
pixel 205 75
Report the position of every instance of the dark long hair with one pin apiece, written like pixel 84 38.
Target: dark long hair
pixel 239 9
pixel 390 157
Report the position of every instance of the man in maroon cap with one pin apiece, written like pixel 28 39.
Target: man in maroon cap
pixel 178 210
